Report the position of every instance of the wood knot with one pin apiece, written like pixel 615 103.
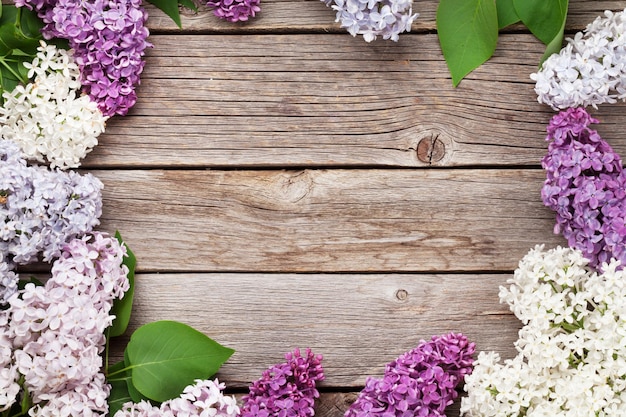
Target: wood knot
pixel 402 295
pixel 431 149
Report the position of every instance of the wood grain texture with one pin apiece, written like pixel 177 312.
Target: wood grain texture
pixel 357 322
pixel 328 220
pixel 313 16
pixel 297 101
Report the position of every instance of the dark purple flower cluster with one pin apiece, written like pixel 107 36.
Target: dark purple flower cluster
pixel 235 10
pixel 286 389
pixel 586 187
pixel 421 382
pixel 109 40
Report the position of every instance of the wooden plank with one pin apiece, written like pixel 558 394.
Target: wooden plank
pixel 328 220
pixel 313 15
pixel 298 101
pixel 357 322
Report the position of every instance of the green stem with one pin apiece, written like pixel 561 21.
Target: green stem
pixel 128 368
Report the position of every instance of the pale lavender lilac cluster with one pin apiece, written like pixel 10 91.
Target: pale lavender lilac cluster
pixel 235 10
pixel 421 382
pixel 586 186
pixel 41 209
pixel 286 389
pixel 373 18
pixel 203 398
pixel 109 38
pixel 52 336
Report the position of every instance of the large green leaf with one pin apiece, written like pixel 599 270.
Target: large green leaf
pixel 544 18
pixel 506 13
pixel 468 34
pixel 122 309
pixel 166 356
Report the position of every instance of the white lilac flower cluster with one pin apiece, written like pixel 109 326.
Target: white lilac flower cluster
pixel 372 18
pixel 204 398
pixel 590 70
pixel 571 357
pixel 52 336
pixel 40 210
pixel 49 118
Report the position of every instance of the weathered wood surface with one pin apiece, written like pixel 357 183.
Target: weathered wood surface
pixel 328 220
pixel 276 183
pixel 294 101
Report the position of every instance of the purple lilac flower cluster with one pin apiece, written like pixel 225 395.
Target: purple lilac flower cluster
pixel 52 336
pixel 109 40
pixel 286 389
pixel 41 209
pixel 421 382
pixel 586 187
pixel 235 10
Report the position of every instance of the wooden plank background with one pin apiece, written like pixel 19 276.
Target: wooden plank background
pixel 284 184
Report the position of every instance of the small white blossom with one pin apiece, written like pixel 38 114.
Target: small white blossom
pixel 590 69
pixel 49 119
pixel 204 398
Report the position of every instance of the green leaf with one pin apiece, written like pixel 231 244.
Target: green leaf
pixel 543 18
pixel 119 388
pixel 506 13
pixel 30 23
pixel 166 356
pixel 468 34
pixel 122 308
pixel 170 8
pixel 554 47
pixel 188 4
pixel 132 391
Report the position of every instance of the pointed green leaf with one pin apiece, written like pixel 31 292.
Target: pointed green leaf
pixel 30 23
pixel 170 8
pixel 468 34
pixel 188 4
pixel 506 13
pixel 543 18
pixel 122 309
pixel 166 356
pixel 554 47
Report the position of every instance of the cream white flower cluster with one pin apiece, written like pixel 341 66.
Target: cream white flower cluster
pixel 571 357
pixel 52 336
pixel 590 70
pixel 49 118
pixel 204 398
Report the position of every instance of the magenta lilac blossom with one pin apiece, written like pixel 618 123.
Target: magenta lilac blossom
pixel 235 10
pixel 585 185
pixel 286 389
pixel 421 382
pixel 109 39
